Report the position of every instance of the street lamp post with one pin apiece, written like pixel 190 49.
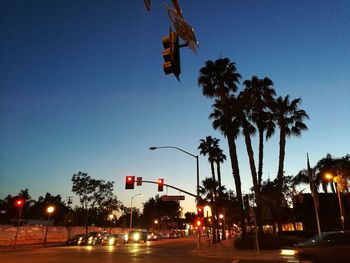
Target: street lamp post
pixel 19 203
pixel 181 150
pixel 197 168
pixel 49 210
pixel 336 180
pixel 132 198
pixel 110 218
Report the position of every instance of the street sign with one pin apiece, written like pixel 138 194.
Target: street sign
pixel 173 197
pixel 183 29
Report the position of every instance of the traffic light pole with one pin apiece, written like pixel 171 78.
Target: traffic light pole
pixel 170 186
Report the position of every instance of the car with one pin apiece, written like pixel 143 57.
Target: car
pixel 113 240
pixel 155 236
pixel 73 240
pixel 137 236
pixel 92 239
pixel 166 236
pixel 329 247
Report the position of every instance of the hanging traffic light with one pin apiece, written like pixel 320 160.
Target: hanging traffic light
pixel 19 202
pixel 129 182
pixel 198 222
pixel 160 184
pixel 171 54
pixel 200 211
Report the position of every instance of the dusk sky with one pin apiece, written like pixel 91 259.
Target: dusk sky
pixel 82 88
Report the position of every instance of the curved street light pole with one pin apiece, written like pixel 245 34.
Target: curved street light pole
pixel 181 150
pixel 132 198
pixel 197 166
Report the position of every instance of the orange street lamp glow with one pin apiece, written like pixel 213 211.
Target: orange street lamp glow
pixel 50 209
pixel 329 176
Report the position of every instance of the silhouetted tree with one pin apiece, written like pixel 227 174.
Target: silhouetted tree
pixel 289 119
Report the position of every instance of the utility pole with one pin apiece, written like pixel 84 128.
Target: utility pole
pixel 69 201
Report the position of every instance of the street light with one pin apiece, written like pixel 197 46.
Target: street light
pixel 156 224
pixel 19 203
pixel 336 179
pixel 110 218
pixel 181 150
pixel 49 210
pixel 197 166
pixel 132 198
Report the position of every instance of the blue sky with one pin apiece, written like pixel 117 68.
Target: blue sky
pixel 82 88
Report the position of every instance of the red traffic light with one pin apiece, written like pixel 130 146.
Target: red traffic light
pixel 160 184
pixel 129 182
pixel 19 202
pixel 200 211
pixel 198 223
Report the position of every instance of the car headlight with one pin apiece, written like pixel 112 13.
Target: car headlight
pixel 111 241
pixel 288 252
pixel 136 236
pixel 126 237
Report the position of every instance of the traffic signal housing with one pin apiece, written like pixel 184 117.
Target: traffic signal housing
pixel 199 222
pixel 171 54
pixel 129 182
pixel 160 184
pixel 19 202
pixel 200 211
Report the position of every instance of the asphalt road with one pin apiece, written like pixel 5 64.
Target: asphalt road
pixel 167 251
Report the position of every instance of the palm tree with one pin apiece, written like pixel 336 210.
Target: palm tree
pixel 259 93
pixel 224 121
pixel 289 118
pixel 219 157
pixel 335 166
pixel 208 191
pixel 218 78
pixel 207 146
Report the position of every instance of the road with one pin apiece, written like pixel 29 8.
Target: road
pixel 167 251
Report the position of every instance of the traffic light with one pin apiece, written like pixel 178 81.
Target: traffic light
pixel 160 184
pixel 171 54
pixel 129 182
pixel 19 202
pixel 200 211
pixel 199 222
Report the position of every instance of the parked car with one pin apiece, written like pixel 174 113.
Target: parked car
pixel 155 236
pixel 166 236
pixel 113 240
pixel 137 236
pixel 330 247
pixel 73 240
pixel 92 239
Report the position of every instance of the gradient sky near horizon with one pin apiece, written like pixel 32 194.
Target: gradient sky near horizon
pixel 82 89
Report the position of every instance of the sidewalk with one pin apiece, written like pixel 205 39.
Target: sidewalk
pixel 225 249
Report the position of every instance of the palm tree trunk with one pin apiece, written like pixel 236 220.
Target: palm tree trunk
pixel 254 177
pixel 261 157
pixel 212 170
pixel 218 172
pixel 282 149
pixel 237 179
